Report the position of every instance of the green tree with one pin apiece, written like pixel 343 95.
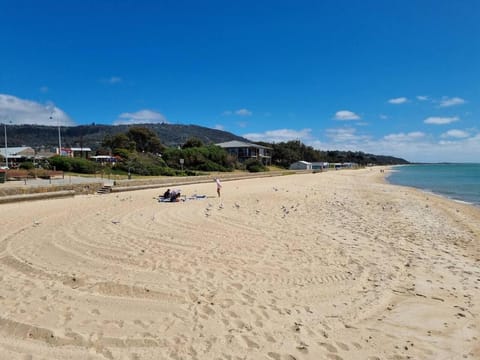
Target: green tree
pixel 192 142
pixel 145 140
pixel 205 158
pixel 118 141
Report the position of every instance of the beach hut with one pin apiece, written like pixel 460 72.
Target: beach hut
pixel 301 165
pixel 320 165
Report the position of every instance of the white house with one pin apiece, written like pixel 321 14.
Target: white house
pixel 301 165
pixel 320 165
pixel 243 151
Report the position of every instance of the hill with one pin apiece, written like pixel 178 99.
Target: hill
pixel 37 136
pixel 92 136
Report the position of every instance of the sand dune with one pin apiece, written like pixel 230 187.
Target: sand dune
pixel 335 265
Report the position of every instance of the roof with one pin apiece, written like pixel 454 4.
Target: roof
pixel 240 144
pixel 80 149
pixel 13 151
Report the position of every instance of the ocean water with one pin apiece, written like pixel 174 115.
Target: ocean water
pixel 455 181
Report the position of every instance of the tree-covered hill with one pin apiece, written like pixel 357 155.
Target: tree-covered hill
pixel 92 136
pixel 173 135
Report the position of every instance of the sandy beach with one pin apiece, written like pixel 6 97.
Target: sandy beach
pixel 334 265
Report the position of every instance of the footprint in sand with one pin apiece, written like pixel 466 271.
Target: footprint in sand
pixel 334 357
pixel 274 356
pixel 357 345
pixel 342 346
pixel 208 310
pixel 329 347
pixel 250 343
pixel 237 286
pixel 232 314
pixel 269 337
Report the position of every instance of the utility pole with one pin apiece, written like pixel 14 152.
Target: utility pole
pixel 59 136
pixel 6 146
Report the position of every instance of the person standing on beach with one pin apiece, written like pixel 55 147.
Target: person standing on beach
pixel 219 186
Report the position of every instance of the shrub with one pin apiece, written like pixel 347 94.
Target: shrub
pixel 254 165
pixel 78 165
pixel 204 158
pixel 27 165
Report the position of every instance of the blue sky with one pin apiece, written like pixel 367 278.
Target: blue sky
pixel 388 77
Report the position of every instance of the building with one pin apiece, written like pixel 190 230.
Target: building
pixel 80 152
pixel 243 151
pixel 301 165
pixel 320 165
pixel 104 159
pixel 15 155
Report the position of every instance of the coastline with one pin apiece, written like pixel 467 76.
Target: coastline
pixel 433 189
pixel 340 264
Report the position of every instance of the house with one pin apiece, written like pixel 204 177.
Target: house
pixel 301 165
pixel 320 165
pixel 346 165
pixel 104 159
pixel 77 152
pixel 15 155
pixel 243 151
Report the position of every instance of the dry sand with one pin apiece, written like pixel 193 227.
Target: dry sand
pixel 334 265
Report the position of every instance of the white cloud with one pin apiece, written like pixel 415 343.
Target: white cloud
pixel 454 133
pixel 434 120
pixel 343 135
pixel 19 111
pixel 219 127
pixel 446 101
pixel 140 117
pixel 415 146
pixel 396 101
pixel 343 115
pixel 113 80
pixel 239 112
pixel 429 150
pixel 422 98
pixel 402 137
pixel 279 135
pixel 383 117
pixel 243 112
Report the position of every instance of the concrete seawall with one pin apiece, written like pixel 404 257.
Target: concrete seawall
pixel 130 185
pixel 37 196
pixel 28 193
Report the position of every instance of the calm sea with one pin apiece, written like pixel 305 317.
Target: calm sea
pixel 455 181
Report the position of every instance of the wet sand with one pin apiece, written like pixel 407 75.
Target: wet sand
pixel 335 265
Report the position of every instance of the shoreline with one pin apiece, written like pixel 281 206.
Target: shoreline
pixel 338 264
pixel 428 191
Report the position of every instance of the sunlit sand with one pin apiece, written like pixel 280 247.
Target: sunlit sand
pixel 334 265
